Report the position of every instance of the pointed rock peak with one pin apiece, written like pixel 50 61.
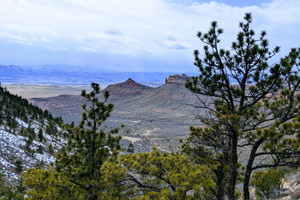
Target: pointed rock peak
pixel 127 88
pixel 130 81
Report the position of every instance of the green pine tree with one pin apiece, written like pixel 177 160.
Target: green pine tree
pixel 89 146
pixel 41 135
pixel 248 105
pixel 19 166
pixel 130 148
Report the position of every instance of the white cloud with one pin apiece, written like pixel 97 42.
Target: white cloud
pixel 25 3
pixel 30 29
pixel 87 49
pixel 15 38
pixel 134 27
pixel 282 12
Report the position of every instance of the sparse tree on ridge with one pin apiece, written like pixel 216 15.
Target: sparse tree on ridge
pixel 89 146
pixel 78 166
pixel 252 107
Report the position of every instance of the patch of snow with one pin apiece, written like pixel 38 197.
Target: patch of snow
pixel 13 148
pixel 22 123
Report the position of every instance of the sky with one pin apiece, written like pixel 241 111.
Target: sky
pixel 133 35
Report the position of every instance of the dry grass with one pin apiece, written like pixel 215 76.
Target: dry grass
pixel 43 91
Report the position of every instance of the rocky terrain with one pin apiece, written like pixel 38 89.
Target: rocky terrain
pixel 291 187
pixel 127 88
pixel 152 115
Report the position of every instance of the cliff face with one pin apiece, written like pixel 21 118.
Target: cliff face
pixel 176 79
pixel 131 88
pixel 127 88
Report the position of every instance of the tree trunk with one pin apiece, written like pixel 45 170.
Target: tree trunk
pixel 246 184
pixel 234 171
pixel 220 182
pixel 249 168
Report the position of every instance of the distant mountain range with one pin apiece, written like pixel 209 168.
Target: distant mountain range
pixel 74 76
pixel 9 70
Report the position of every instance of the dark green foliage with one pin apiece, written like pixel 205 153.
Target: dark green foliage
pixel 30 134
pixel 10 192
pixel 13 106
pixel 1 115
pixel 130 148
pixel 22 131
pixel 268 182
pixel 161 175
pixel 79 171
pixel 19 166
pixel 40 149
pixel 89 146
pixel 41 135
pixel 12 123
pixel 19 190
pixel 28 143
pixel 50 149
pixel 72 125
pixel 250 105
pixel 51 129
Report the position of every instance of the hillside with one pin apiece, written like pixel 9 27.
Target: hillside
pixel 29 136
pixel 152 115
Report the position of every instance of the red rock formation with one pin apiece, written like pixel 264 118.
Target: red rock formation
pixel 127 88
pixel 176 79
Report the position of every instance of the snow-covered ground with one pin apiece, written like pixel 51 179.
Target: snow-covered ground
pixel 13 148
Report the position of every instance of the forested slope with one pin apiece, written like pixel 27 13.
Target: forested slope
pixel 29 136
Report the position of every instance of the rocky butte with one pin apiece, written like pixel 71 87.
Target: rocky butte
pixel 127 88
pixel 176 79
pixel 159 113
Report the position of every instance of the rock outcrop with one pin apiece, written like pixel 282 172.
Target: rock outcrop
pixel 127 88
pixel 176 79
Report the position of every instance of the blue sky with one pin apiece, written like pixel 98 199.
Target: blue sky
pixel 132 35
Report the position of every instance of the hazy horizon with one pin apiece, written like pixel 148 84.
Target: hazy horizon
pixel 136 35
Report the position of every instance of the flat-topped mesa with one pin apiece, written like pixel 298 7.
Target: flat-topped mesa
pixel 127 88
pixel 176 79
